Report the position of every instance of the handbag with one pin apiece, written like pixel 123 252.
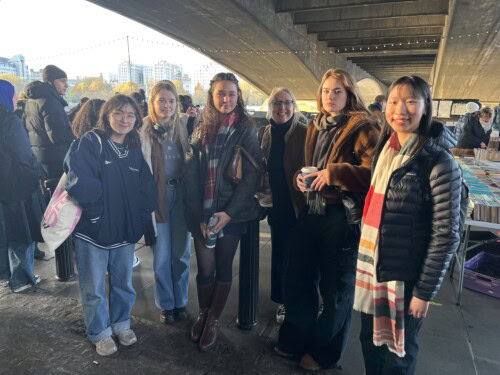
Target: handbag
pixel 354 204
pixel 234 171
pixel 60 217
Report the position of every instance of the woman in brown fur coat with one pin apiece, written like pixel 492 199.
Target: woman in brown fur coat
pixel 340 142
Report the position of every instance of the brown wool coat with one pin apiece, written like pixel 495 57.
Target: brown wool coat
pixel 293 158
pixel 349 163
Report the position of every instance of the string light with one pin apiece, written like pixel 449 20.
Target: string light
pixel 262 52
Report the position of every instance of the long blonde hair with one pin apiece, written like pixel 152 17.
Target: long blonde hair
pixel 174 121
pixel 354 102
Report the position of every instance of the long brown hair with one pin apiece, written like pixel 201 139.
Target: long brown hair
pixel 132 139
pixel 174 120
pixel 211 116
pixel 354 102
pixel 87 117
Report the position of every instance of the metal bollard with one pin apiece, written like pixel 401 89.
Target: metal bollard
pixel 249 277
pixel 64 261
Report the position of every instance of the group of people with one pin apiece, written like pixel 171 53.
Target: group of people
pixel 373 227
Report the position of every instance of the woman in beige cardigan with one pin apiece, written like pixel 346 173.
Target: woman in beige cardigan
pixel 164 142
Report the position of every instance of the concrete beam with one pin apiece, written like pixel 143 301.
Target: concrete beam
pixel 388 53
pixel 424 39
pixel 298 5
pixel 388 46
pixel 406 22
pixel 468 67
pixel 382 11
pixel 388 33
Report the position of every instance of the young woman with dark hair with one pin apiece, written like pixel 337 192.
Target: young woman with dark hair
pixel 410 228
pixel 87 117
pixel 212 197
pixel 339 142
pixel 110 180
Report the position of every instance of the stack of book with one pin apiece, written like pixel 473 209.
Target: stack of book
pixel 483 179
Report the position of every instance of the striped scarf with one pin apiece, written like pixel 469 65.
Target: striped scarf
pixel 385 301
pixel 215 148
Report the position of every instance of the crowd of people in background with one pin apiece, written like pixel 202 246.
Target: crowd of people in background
pixel 344 195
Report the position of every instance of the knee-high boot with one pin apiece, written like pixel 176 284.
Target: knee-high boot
pixel 209 335
pixel 205 293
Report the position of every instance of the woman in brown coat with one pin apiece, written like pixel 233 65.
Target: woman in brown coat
pixel 340 142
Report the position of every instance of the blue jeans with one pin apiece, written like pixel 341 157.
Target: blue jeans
pixel 171 255
pixel 16 258
pixel 92 264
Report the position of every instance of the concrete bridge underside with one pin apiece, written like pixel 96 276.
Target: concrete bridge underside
pixel 292 42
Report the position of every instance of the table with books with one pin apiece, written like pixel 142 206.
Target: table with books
pixel 483 179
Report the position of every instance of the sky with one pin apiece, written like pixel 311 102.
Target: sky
pixel 71 34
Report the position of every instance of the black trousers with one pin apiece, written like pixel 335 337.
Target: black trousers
pixel 378 359
pixel 280 242
pixel 324 248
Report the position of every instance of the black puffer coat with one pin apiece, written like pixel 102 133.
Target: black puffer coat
pixel 237 200
pixel 473 133
pixel 419 228
pixel 48 127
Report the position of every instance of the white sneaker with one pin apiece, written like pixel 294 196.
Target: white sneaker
pixel 106 346
pixel 137 261
pixel 127 337
pixel 27 286
pixel 280 314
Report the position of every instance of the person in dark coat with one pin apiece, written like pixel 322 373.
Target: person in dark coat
pixel 17 244
pixel 217 208
pixel 477 129
pixel 46 121
pixel 283 147
pixel 377 108
pixel 410 229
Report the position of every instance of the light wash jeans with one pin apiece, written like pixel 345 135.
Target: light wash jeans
pixel 92 264
pixel 17 262
pixel 171 255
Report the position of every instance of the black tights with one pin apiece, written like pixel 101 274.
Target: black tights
pixel 216 263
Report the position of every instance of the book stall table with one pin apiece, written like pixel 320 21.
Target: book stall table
pixel 483 179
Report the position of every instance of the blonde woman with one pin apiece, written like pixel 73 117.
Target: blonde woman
pixel 164 141
pixel 283 148
pixel 339 142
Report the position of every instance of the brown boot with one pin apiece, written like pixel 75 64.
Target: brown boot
pixel 205 293
pixel 209 335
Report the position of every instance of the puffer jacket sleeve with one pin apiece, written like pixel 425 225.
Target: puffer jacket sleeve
pixel 245 191
pixel 82 164
pixel 445 187
pixel 56 123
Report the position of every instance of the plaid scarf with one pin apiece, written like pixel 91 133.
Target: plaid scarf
pixel 214 149
pixel 385 301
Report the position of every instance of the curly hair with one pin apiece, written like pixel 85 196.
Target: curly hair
pixel 87 117
pixel 212 117
pixel 118 101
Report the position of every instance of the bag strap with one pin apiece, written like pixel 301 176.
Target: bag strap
pixel 98 138
pixel 251 160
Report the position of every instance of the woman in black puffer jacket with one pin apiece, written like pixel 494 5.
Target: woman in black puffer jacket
pixel 410 230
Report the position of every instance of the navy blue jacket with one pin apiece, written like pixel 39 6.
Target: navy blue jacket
pixel 115 189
